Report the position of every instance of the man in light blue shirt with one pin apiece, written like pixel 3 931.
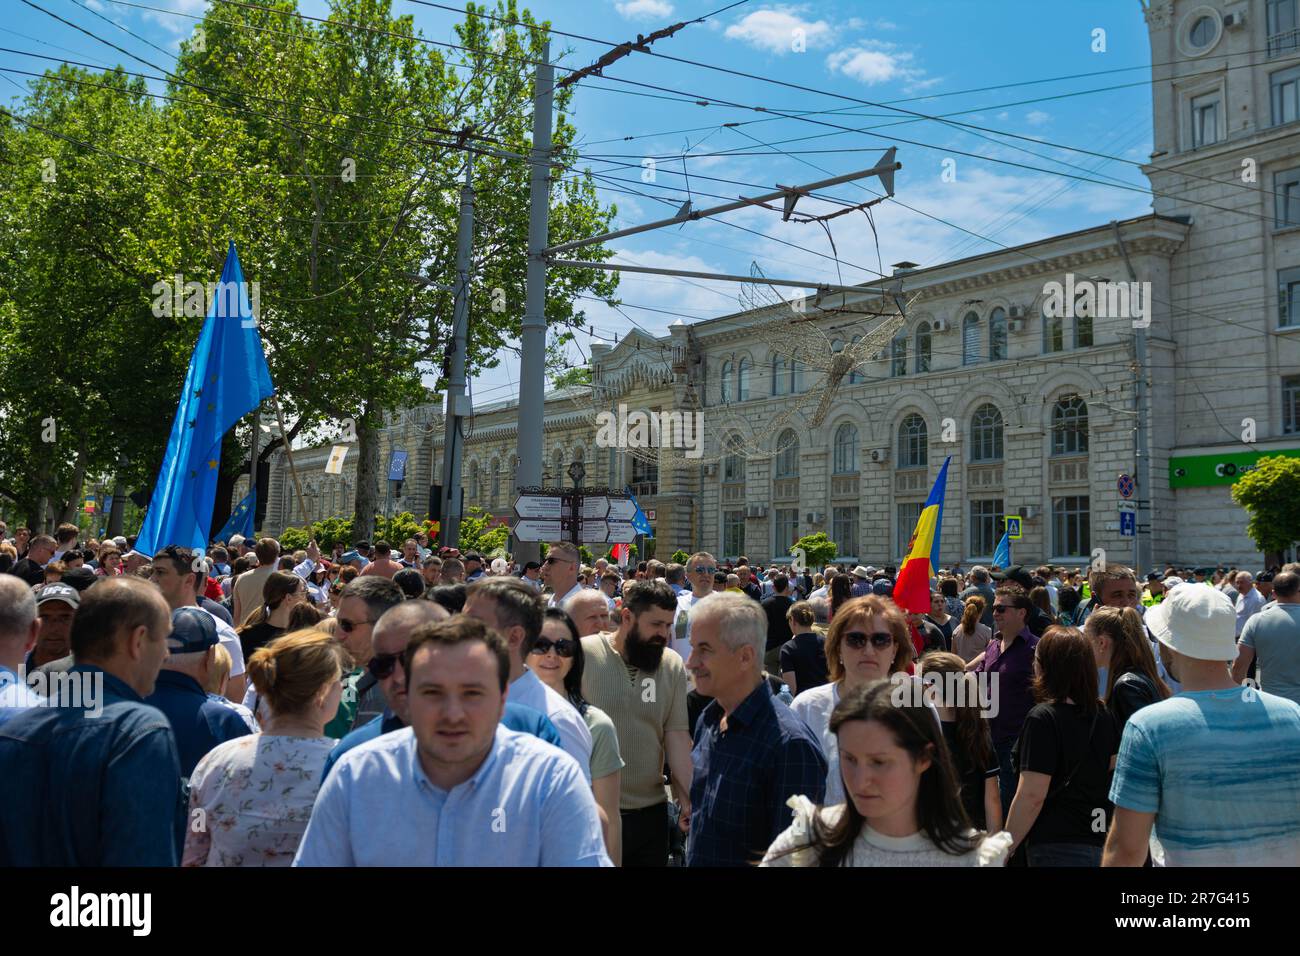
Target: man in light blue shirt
pixel 455 788
pixel 19 626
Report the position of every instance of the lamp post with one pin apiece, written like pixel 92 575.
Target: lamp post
pixel 577 472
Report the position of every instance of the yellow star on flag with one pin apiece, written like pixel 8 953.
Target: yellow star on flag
pixel 212 463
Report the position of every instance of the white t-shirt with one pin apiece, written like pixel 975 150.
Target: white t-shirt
pixel 229 640
pixel 575 736
pixel 556 601
pixel 682 639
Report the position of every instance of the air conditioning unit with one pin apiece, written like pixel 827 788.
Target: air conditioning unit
pixel 879 454
pixel 1234 21
pixel 1015 325
pixel 939 325
pixel 1019 312
pixel 815 517
pixel 1029 512
pixel 756 511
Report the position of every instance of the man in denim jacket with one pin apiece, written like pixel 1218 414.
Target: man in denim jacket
pixel 93 778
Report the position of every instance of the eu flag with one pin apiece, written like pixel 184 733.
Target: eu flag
pixel 227 379
pixel 241 519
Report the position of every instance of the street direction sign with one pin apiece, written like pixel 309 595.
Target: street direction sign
pixel 621 532
pixel 621 509
pixel 593 532
pixel 539 506
pixel 1125 485
pixel 534 529
pixel 595 507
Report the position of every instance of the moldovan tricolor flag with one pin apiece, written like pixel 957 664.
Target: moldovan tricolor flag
pixel 912 589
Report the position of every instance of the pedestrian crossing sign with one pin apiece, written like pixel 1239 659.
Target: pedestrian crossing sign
pixel 1013 527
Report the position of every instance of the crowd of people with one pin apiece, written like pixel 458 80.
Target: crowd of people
pixel 416 705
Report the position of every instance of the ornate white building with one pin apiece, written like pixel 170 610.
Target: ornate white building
pixel 1037 412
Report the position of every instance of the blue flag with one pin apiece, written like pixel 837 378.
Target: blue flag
pixel 241 519
pixel 1002 553
pixel 639 520
pixel 227 379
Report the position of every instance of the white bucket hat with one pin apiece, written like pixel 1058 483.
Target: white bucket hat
pixel 1197 622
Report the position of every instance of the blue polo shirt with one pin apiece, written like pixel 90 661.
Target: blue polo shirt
pixel 526 720
pixel 90 789
pixel 198 722
pixel 743 778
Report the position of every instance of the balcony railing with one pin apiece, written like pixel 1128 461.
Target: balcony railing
pixel 1282 43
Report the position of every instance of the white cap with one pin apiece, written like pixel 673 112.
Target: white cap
pixel 1197 622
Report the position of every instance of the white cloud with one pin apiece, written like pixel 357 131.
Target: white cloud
pixel 95 5
pixel 644 9
pixel 178 26
pixel 775 30
pixel 873 61
pixel 1037 117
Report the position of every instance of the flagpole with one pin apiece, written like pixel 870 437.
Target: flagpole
pixel 293 469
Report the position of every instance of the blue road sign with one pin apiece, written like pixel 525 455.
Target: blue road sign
pixel 1013 527
pixel 1125 486
pixel 1128 524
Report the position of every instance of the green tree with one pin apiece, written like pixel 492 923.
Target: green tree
pixel 680 557
pixel 1270 493
pixel 480 532
pixel 818 549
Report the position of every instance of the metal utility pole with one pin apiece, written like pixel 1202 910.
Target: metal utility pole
pixel 457 402
pixel 1141 448
pixel 532 366
pixel 252 465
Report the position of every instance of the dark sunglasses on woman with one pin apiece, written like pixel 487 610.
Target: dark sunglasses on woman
pixel 564 648
pixel 858 640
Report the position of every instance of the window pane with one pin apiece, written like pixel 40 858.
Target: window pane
pixel 913 443
pixel 1202 32
pixel 1082 331
pixel 1071 526
pixel 733 533
pixel 1286 198
pixel 1291 405
pixel 844 531
pixel 898 356
pixel 923 340
pixel 970 339
pixel 787 455
pixel 1288 297
pixel 985 526
pixel 1284 87
pixel 986 434
pixel 786 531
pixel 998 334
pixel 724 386
pixel 1053 333
pixel 742 381
pixel 846 449
pixel 1070 426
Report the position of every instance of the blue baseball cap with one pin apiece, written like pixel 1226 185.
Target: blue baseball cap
pixel 193 630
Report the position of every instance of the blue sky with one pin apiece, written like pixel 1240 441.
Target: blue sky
pixel 931 57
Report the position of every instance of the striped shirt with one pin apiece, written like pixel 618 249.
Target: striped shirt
pixel 1220 769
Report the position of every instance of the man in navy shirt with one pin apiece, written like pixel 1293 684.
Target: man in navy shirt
pixel 752 753
pixel 97 781
pixel 198 722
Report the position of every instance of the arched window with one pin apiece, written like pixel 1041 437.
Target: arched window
pixel 1053 333
pixel 557 467
pixel 733 465
pixel 796 377
pixel 1070 426
pixel 512 478
pixel 496 482
pixel 913 443
pixel 780 377
pixel 898 355
pixel 997 334
pixel 986 434
pixel 724 384
pixel 787 455
pixel 970 339
pixel 846 449
pixel 475 492
pixel 742 381
pixel 923 339
pixel 855 377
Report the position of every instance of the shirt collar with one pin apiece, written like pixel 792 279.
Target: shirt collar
pixel 422 779
pixel 752 707
pixel 112 684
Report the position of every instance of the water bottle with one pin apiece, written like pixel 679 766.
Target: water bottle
pixel 785 695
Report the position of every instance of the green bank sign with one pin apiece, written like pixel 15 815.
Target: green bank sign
pixel 1199 471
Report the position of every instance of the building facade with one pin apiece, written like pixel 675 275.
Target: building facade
pixel 1018 366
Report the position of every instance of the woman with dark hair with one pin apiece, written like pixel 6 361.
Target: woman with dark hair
pixel 867 641
pixel 1068 598
pixel 1064 757
pixel 450 596
pixel 1043 601
pixel 556 658
pixel 282 592
pixel 902 807
pixel 969 740
pixel 1120 645
pixel 841 592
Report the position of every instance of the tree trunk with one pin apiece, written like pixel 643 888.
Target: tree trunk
pixel 69 515
pixel 363 525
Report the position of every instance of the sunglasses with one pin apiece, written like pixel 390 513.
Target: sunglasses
pixel 858 640
pixel 350 626
pixel 1004 607
pixel 564 648
pixel 705 571
pixel 381 665
pixel 557 561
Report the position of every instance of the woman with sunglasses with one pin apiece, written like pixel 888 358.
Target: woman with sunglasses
pixel 867 641
pixel 903 807
pixel 556 658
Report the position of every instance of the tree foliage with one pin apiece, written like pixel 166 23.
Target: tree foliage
pixel 1270 493
pixel 818 549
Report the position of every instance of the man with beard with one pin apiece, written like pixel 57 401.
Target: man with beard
pixel 640 682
